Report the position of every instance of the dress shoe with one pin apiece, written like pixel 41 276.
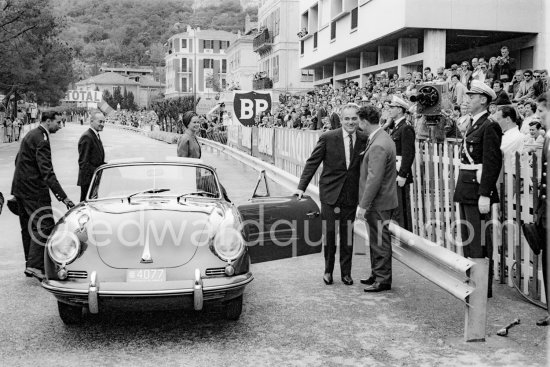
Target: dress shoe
pixel 377 287
pixel 368 281
pixel 346 279
pixel 544 321
pixel 34 272
pixel 327 278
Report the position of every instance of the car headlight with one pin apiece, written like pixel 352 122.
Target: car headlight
pixel 228 244
pixel 63 247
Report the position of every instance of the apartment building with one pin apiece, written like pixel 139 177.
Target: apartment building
pixel 350 39
pixel 196 61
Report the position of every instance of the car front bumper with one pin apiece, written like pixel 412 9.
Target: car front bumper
pixel 195 291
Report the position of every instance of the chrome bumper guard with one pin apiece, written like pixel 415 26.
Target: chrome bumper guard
pixel 198 297
pixel 93 291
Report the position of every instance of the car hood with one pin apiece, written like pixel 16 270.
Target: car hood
pixel 148 233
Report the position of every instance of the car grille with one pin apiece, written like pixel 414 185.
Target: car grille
pixel 77 274
pixel 213 295
pixel 215 272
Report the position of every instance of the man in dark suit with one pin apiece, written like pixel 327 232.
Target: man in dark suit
pixel 506 66
pixel 403 136
pixel 543 106
pixel 480 164
pixel 338 150
pixel 32 180
pixel 90 153
pixel 377 197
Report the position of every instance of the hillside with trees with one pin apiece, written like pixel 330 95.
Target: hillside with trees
pixel 132 32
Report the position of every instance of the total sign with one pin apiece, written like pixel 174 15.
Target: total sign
pixel 248 105
pixel 83 96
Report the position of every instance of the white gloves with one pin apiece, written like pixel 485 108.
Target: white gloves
pixel 401 181
pixel 484 204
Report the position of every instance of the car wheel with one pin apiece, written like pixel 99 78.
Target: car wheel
pixel 70 315
pixel 234 308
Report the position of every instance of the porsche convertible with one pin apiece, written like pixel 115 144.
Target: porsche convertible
pixel 163 235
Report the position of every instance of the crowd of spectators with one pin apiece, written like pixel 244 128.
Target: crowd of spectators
pixel 133 118
pixel 320 108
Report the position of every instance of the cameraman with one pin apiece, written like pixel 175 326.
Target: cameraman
pixel 505 67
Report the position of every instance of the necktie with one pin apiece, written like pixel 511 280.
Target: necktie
pixel 99 138
pixel 350 145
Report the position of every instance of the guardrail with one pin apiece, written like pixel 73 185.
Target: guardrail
pixel 465 279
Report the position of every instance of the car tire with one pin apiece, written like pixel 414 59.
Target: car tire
pixel 234 308
pixel 70 315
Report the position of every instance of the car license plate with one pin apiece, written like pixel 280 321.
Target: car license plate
pixel 146 275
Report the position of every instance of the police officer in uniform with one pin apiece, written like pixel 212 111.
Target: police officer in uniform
pixel 403 136
pixel 541 215
pixel 480 164
pixel 32 180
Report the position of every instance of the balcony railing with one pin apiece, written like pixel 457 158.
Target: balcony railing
pixel 264 83
pixel 263 41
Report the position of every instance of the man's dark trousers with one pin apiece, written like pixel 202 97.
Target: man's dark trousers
pixel 478 243
pixel 380 244
pixel 36 219
pixel 403 213
pixel 341 216
pixel 84 191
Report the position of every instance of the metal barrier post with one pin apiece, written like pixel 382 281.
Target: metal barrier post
pixel 475 325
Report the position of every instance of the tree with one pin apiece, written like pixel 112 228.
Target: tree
pixel 213 81
pixel 107 97
pixel 130 103
pixel 33 59
pixel 117 98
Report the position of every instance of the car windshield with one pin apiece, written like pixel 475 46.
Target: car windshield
pixel 153 179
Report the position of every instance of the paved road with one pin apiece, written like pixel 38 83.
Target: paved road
pixel 290 317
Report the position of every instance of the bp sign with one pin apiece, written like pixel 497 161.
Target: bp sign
pixel 248 105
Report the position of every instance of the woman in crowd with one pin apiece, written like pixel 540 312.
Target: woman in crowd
pixel 188 145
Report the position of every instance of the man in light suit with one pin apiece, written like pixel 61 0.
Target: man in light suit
pixel 377 197
pixel 338 150
pixel 90 153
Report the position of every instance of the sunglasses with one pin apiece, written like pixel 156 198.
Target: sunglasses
pixel 526 75
pixel 536 76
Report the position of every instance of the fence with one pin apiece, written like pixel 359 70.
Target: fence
pixel 435 216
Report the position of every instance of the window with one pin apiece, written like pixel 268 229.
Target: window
pixel 184 65
pixel 208 44
pixel 301 47
pixel 224 66
pixel 333 30
pixel 224 83
pixel 275 69
pixel 354 15
pixel 208 63
pixel 184 85
pixel 184 43
pixel 315 40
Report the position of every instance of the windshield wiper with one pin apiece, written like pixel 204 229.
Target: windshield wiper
pixel 198 193
pixel 150 191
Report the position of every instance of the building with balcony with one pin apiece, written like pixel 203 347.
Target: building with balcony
pixel 194 58
pixel 350 39
pixel 278 47
pixel 132 73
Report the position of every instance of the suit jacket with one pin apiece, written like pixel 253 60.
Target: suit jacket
pixel 403 136
pixel 330 151
pixel 34 175
pixel 188 146
pixel 377 187
pixel 502 98
pixel 459 94
pixel 90 156
pixel 506 71
pixel 483 140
